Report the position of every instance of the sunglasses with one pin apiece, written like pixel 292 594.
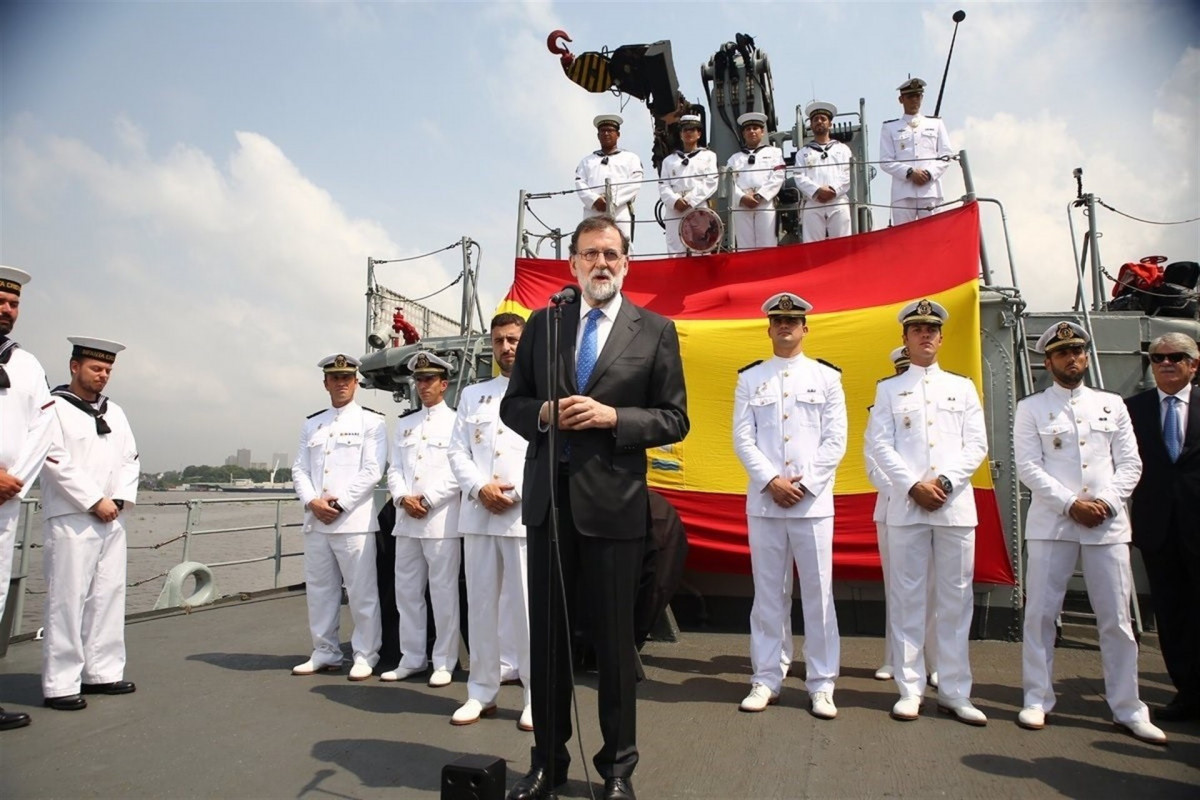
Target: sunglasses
pixel 1174 358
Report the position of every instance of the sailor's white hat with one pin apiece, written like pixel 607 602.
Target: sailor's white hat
pixel 12 279
pixel 752 118
pixel 338 363
pixel 786 304
pixel 608 119
pixel 912 86
pixel 91 347
pixel 822 107
pixel 899 356
pixel 691 120
pixel 1059 335
pixel 428 363
pixel 923 310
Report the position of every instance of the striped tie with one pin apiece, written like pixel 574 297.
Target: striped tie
pixel 1171 435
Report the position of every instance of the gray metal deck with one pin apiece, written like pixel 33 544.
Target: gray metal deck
pixel 217 714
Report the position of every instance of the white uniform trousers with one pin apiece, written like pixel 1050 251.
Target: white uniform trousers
pixel 495 567
pixel 514 608
pixel 675 246
pixel 890 656
pixel 84 563
pixel 8 539
pixel 330 559
pixel 1106 573
pixel 433 563
pixel 910 209
pixel 754 227
pixel 774 545
pixel 822 221
pixel 950 551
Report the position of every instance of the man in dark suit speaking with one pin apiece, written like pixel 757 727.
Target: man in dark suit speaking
pixel 622 389
pixel 1166 421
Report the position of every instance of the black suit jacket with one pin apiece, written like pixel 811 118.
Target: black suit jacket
pixel 1166 501
pixel 639 372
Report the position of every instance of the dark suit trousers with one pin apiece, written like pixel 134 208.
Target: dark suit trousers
pixel 605 574
pixel 1174 573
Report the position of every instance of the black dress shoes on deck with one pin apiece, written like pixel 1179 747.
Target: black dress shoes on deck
pixel 1180 709
pixel 69 702
pixel 12 719
pixel 116 687
pixel 536 785
pixel 619 789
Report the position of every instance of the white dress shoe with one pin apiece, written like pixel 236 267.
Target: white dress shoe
pixel 964 711
pixel 1144 731
pixel 1032 718
pixel 360 671
pixel 822 705
pixel 440 677
pixel 311 667
pixel 907 709
pixel 932 679
pixel 759 698
pixel 470 712
pixel 525 723
pixel 884 673
pixel 399 674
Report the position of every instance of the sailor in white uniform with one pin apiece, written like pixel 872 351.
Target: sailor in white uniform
pixel 911 150
pixel 823 177
pixel 926 432
pixel 758 175
pixel 428 542
pixel 789 431
pixel 621 168
pixel 339 460
pixel 1077 454
pixel 878 479
pixel 688 180
pixel 85 503
pixel 488 460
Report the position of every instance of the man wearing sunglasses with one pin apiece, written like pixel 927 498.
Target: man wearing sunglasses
pixel 1166 421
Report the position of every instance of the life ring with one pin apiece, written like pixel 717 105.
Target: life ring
pixel 172 592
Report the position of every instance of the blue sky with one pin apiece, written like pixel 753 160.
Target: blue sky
pixel 205 181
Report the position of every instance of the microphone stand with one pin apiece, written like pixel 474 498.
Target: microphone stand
pixel 556 610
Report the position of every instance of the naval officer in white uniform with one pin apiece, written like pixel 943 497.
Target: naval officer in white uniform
pixel 339 460
pixel 823 177
pixel 758 175
pixel 910 150
pixel 688 180
pixel 85 503
pixel 1077 454
pixel 789 431
pixel 621 168
pixel 428 542
pixel 926 432
pixel 488 460
pixel 28 430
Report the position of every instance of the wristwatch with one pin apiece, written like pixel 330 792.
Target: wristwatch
pixel 945 483
pixel 909 173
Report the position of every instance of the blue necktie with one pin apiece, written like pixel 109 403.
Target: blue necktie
pixel 1170 430
pixel 587 350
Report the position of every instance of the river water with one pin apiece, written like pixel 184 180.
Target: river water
pixel 162 516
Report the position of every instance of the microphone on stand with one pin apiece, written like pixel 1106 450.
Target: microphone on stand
pixel 569 294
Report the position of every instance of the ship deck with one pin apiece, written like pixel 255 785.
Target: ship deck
pixel 217 714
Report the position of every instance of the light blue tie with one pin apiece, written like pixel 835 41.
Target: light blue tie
pixel 587 350
pixel 1170 430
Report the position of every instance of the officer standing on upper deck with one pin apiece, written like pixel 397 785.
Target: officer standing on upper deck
pixel 926 432
pixel 757 178
pixel 1076 452
pixel 911 150
pixel 339 460
pixel 823 175
pixel 621 168
pixel 689 179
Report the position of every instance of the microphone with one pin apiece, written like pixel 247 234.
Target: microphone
pixel 569 294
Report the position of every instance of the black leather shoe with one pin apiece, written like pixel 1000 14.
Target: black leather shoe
pixel 70 702
pixel 536 785
pixel 116 687
pixel 12 719
pixel 619 789
pixel 1178 710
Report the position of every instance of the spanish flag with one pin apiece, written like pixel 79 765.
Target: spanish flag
pixel 857 286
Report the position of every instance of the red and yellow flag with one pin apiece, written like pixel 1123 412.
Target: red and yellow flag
pixel 857 286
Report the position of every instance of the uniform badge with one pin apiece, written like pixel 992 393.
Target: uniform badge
pixel 422 361
pixel 1057 443
pixel 1065 331
pixel 478 437
pixel 925 308
pixel 785 303
pixel 1107 410
pixel 904 394
pixel 907 422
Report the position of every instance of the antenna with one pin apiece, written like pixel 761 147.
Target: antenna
pixel 958 17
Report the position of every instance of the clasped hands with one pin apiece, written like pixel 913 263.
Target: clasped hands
pixel 580 412
pixel 786 492
pixel 1088 513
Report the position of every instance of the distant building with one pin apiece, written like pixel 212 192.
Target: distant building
pixel 259 465
pixel 243 458
pixel 231 461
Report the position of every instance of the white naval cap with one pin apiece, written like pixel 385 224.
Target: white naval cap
pixel 912 86
pixel 91 347
pixel 691 121
pixel 899 356
pixel 1059 335
pixel 339 364
pixel 923 310
pixel 786 304
pixel 820 107
pixel 427 363
pixel 608 119
pixel 752 118
pixel 12 279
